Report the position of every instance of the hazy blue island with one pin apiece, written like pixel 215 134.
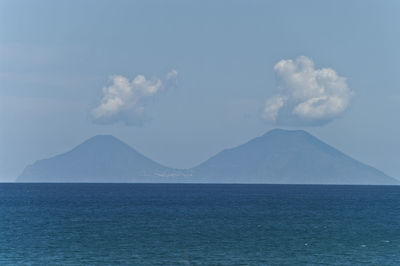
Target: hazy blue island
pixel 277 157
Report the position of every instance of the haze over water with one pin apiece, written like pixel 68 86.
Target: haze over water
pixel 177 224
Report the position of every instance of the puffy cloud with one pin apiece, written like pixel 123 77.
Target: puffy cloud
pixel 123 101
pixel 306 96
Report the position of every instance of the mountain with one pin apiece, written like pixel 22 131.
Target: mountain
pixel 288 157
pixel 279 156
pixel 102 158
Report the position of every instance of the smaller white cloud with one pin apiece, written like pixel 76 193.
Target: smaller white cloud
pixel 306 96
pixel 171 79
pixel 123 101
pixel 173 74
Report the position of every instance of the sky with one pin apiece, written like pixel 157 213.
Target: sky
pixel 182 80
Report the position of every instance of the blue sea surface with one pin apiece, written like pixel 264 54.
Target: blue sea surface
pixel 193 224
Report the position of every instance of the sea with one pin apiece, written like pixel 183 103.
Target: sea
pixel 198 224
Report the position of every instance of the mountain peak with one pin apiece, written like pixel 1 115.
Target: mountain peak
pixel 103 138
pixel 279 137
pixel 287 132
pixel 103 142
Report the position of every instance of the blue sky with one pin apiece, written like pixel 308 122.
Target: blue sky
pixel 57 56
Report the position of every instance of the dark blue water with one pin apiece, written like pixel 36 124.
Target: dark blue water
pixel 175 224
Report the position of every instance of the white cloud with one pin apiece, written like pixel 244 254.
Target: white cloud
pixel 173 74
pixel 123 101
pixel 171 79
pixel 272 107
pixel 306 96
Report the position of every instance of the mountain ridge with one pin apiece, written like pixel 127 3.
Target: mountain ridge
pixel 279 156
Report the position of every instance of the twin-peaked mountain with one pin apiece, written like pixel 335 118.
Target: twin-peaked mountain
pixel 279 156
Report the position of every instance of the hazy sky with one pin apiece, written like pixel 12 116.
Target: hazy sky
pixel 182 80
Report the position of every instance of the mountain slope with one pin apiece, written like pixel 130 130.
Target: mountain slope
pixel 102 158
pixel 284 156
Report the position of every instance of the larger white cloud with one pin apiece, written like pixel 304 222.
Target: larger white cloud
pixel 123 101
pixel 306 96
